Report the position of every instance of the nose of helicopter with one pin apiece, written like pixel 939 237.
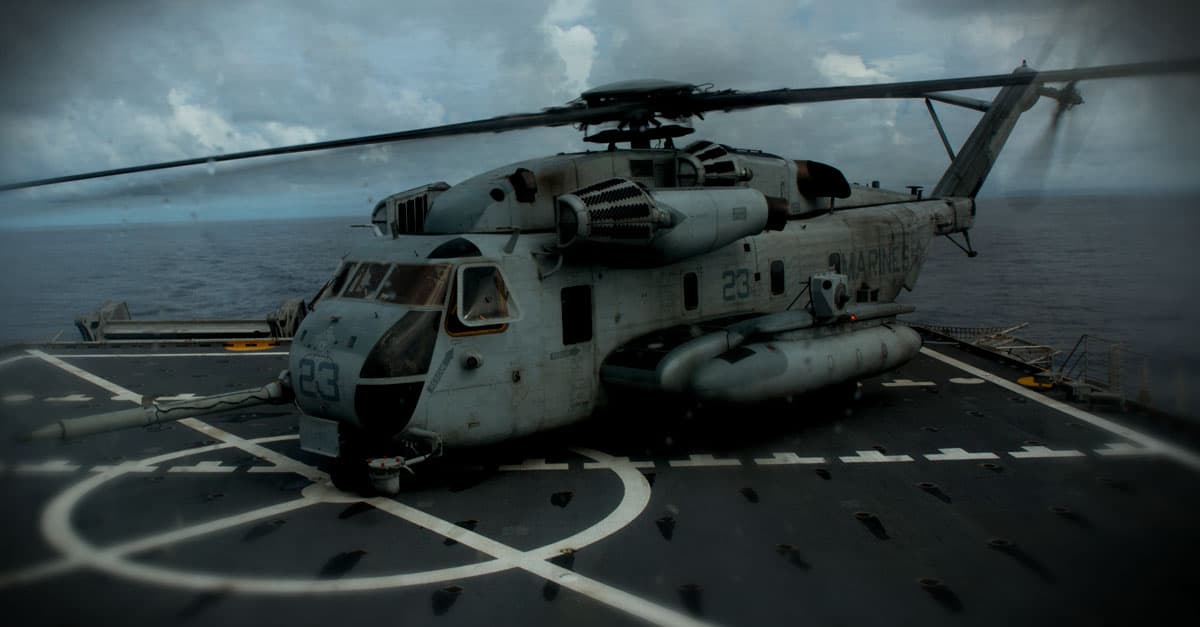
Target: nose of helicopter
pixel 358 362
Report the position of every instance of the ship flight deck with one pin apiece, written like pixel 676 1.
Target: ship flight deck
pixel 946 495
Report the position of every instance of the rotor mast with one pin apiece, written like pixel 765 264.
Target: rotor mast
pixel 643 103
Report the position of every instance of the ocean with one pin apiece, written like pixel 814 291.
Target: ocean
pixel 1120 268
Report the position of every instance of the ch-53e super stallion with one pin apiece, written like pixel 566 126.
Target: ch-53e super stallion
pixel 522 299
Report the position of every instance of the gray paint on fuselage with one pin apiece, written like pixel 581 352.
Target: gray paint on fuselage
pixel 560 383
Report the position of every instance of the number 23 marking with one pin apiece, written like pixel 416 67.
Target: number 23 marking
pixel 326 386
pixel 737 284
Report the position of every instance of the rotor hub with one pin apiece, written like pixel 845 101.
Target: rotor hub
pixel 664 113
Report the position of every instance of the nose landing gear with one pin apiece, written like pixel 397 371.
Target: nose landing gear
pixel 365 474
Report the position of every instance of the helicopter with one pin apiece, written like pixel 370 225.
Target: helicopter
pixel 525 298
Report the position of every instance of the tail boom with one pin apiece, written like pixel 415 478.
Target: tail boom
pixel 974 161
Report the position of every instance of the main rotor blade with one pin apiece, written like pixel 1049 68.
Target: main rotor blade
pixel 671 106
pixel 918 89
pixel 553 117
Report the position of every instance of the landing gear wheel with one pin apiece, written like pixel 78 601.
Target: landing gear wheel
pixel 854 391
pixel 842 397
pixel 849 394
pixel 350 475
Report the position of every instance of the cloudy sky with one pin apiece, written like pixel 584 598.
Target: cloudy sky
pixel 94 85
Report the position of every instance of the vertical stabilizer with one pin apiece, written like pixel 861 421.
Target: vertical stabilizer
pixel 970 167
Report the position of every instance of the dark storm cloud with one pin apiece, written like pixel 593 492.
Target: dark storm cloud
pixel 52 48
pixel 767 45
pixel 1104 30
pixel 93 85
pixel 272 71
pixel 750 45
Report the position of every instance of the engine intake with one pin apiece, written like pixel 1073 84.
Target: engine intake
pixel 658 226
pixel 612 211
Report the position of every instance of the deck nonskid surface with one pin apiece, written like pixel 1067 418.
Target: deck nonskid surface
pixel 941 498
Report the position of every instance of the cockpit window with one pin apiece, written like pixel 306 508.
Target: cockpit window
pixel 366 280
pixel 334 285
pixel 339 279
pixel 416 285
pixel 483 296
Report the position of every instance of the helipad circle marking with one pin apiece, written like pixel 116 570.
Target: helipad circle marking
pixel 326 493
pixel 966 380
pixel 59 533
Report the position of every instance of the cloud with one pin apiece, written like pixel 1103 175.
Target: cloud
pixel 574 42
pixel 568 11
pixel 1068 32
pixel 847 69
pixel 137 81
pixel 577 48
pixel 210 131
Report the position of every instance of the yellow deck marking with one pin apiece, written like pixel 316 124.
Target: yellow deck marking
pixel 243 347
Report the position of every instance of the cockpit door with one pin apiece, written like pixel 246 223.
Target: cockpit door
pixel 480 387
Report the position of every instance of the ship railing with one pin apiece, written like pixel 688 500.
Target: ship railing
pixel 112 322
pixel 1096 369
pixel 1104 368
pixel 1002 340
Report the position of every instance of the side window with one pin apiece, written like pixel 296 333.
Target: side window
pixel 777 283
pixel 691 291
pixel 576 314
pixel 455 326
pixel 482 297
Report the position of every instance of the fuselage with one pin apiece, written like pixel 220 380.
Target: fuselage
pixel 540 368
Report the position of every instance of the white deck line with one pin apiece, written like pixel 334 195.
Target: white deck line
pixel 86 376
pixel 12 360
pixel 1179 454
pixel 215 433
pixel 529 561
pixel 787 459
pixel 53 568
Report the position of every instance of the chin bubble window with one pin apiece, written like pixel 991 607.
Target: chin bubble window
pixel 482 298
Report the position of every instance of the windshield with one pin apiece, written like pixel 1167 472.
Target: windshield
pixel 416 285
pixel 366 280
pixel 339 279
pixel 400 284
